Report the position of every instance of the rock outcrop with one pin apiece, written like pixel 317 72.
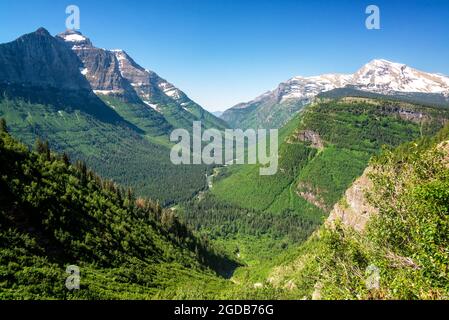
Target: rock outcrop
pixel 100 67
pixel 354 210
pixel 312 137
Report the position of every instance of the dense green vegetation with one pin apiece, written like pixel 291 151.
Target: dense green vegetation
pixel 251 235
pixel 263 114
pixel 54 214
pixel 406 241
pixel 351 131
pixel 128 157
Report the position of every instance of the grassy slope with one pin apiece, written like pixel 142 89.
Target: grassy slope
pixel 263 115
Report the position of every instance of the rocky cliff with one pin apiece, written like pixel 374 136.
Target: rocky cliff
pixel 38 59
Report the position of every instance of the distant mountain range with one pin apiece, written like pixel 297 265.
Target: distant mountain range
pixel 275 108
pixel 217 113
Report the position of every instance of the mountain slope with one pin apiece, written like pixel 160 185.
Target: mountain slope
pixel 393 221
pixel 275 108
pixel 54 214
pixel 121 140
pixel 113 73
pixel 39 68
pixel 323 150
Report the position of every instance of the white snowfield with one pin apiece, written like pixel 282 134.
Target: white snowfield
pixel 74 37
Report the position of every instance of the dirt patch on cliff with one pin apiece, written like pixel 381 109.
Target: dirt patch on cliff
pixel 309 194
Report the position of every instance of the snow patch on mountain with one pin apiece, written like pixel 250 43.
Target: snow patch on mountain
pixel 74 37
pixel 153 106
pixel 308 87
pixel 84 71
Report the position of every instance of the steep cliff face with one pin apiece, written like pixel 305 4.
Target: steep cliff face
pixel 354 209
pixel 113 73
pixel 100 67
pixel 148 85
pixel 311 137
pixel 38 59
pixel 41 69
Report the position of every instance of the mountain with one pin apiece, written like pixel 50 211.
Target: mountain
pixel 38 60
pixel 113 73
pixel 275 108
pixel 54 214
pixel 383 238
pixel 323 149
pixel 217 113
pixel 64 90
pixel 382 76
pixel 323 158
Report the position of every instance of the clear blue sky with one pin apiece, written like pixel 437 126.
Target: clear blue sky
pixel 221 52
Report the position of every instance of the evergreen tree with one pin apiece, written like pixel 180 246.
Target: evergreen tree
pixel 66 159
pixel 42 148
pixel 3 127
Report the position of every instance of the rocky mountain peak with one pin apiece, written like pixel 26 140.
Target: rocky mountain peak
pixel 42 31
pixel 383 76
pixel 38 59
pixel 75 38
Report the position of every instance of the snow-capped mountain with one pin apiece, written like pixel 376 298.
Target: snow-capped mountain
pixel 145 82
pixel 275 107
pixel 309 87
pixel 100 67
pixel 382 76
pixel 114 73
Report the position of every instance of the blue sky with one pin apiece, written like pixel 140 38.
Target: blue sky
pixel 222 52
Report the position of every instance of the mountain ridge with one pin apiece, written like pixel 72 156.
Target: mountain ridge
pixel 276 107
pixel 121 139
pixel 116 74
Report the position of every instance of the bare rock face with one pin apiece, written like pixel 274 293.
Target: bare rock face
pixel 40 60
pixel 148 85
pixel 312 137
pixel 114 72
pixel 354 210
pixel 100 67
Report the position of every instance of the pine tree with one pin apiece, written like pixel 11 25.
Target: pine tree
pixel 39 146
pixel 3 126
pixel 66 159
pixel 82 169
